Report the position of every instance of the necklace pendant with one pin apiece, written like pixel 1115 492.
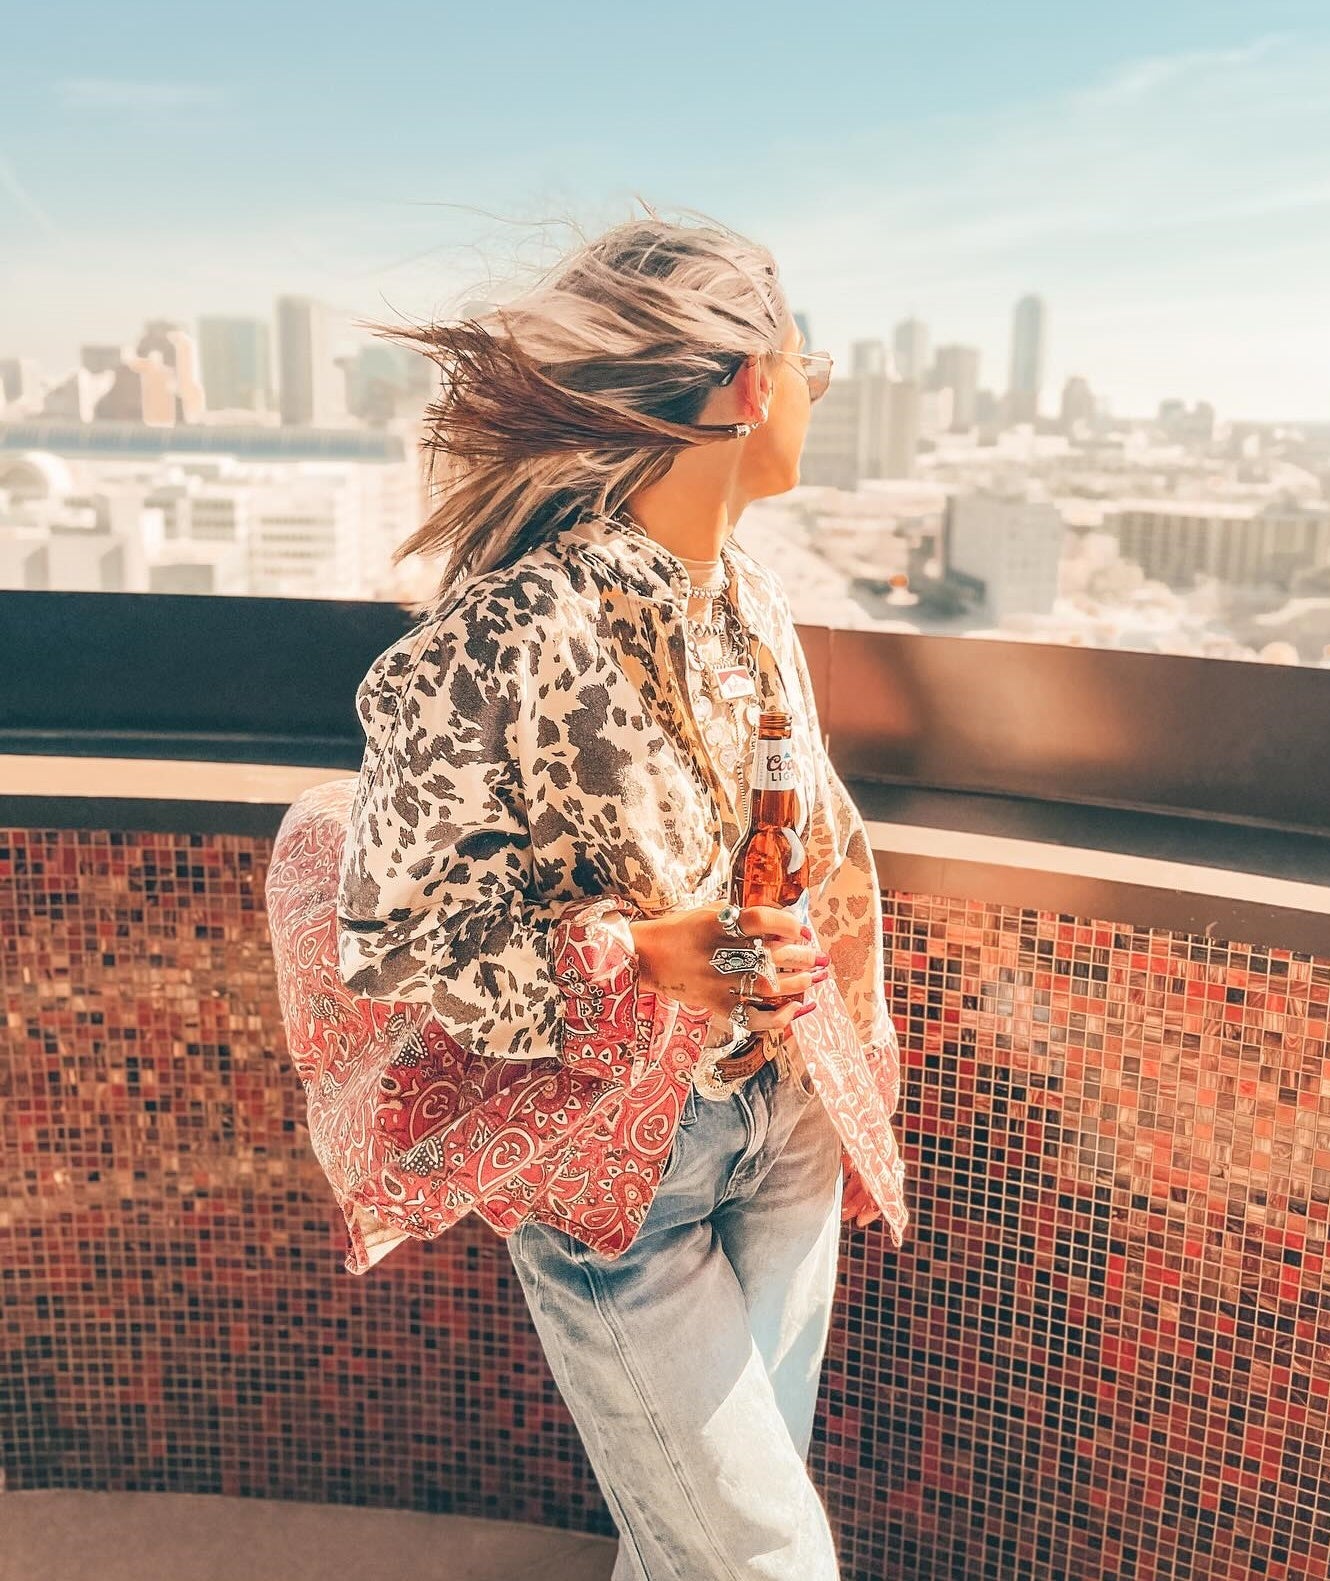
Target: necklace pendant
pixel 734 681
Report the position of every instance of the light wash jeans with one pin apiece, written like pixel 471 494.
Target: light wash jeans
pixel 690 1363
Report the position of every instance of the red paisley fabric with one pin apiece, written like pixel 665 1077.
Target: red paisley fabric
pixel 414 1131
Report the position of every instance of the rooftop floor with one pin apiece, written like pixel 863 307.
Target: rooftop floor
pixel 68 1536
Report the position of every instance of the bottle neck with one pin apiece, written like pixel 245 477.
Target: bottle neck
pixel 774 793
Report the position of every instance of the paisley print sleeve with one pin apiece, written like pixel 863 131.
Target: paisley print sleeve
pixel 850 903
pixel 845 903
pixel 433 896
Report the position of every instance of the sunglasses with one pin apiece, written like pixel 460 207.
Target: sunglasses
pixel 816 369
pixel 814 365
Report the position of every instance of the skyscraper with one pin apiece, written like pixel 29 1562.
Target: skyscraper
pixel 1027 359
pixel 155 382
pixel 179 389
pixel 1078 403
pixel 1008 548
pixel 20 385
pixel 101 359
pixel 868 358
pixel 957 369
pixel 312 387
pixel 910 344
pixel 866 426
pixel 902 428
pixel 237 364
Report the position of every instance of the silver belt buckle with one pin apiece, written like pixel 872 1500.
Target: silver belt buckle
pixel 712 1087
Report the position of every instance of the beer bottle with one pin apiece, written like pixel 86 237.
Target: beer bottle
pixel 770 866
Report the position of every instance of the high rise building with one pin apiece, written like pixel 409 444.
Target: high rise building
pixel 157 382
pixel 176 395
pixel 101 359
pixel 1027 359
pixel 957 369
pixel 987 409
pixel 833 451
pixel 902 429
pixel 1174 541
pixel 302 538
pixel 801 319
pixel 311 386
pixel 77 397
pixel 20 386
pixel 910 344
pixel 236 358
pixel 868 359
pixel 387 381
pixel 1196 424
pixel 1007 549
pixel 1078 404
pixel 865 427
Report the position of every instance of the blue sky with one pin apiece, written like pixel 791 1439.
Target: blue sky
pixel 1159 173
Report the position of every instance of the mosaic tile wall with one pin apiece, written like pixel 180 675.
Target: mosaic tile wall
pixel 1103 1354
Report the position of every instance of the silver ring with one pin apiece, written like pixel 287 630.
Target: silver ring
pixel 739 1015
pixel 730 958
pixel 747 986
pixel 728 917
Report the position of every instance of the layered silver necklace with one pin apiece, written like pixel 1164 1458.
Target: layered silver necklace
pixel 730 678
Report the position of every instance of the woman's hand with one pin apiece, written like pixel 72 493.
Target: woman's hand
pixel 674 958
pixel 856 1205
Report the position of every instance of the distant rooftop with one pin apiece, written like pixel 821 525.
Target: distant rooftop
pixel 1232 510
pixel 136 441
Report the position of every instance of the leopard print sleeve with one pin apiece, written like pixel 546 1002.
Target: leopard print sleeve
pixel 433 902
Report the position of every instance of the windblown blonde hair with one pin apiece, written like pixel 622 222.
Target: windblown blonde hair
pixel 566 400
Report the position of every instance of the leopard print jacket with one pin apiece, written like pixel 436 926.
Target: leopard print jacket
pixel 533 780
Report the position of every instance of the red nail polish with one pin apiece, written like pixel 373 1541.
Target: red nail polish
pixel 803 1012
pixel 806 933
pixel 821 977
pixel 822 960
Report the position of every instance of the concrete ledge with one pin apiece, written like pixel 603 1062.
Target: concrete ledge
pixel 1216 879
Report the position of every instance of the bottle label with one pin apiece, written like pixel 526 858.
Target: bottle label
pixel 773 769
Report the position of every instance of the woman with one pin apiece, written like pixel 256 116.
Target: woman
pixel 538 851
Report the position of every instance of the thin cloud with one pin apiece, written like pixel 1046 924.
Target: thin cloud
pixel 121 94
pixel 1197 178
pixel 1140 78
pixel 12 188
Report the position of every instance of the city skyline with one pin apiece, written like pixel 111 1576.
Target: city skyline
pixel 1163 189
pixel 909 350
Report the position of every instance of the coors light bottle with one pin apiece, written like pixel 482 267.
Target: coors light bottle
pixel 770 865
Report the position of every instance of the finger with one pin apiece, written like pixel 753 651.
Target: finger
pixel 773 923
pixel 775 1020
pixel 790 983
pixel 795 957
